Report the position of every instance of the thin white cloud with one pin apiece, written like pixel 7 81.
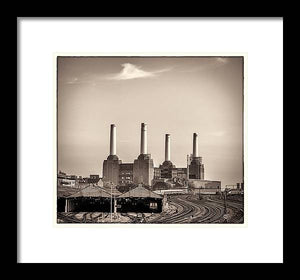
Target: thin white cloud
pixel 214 63
pixel 131 71
pixel 128 72
pixel 72 81
pixel 222 60
pixel 78 81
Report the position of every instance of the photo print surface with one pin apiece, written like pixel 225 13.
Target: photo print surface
pixel 150 139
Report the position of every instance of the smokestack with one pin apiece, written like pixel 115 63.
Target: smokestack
pixel 144 139
pixel 167 148
pixel 195 145
pixel 113 138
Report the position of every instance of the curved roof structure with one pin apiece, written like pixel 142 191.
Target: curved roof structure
pixel 65 191
pixel 139 191
pixel 91 191
pixel 114 191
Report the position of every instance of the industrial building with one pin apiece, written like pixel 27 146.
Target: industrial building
pixel 142 170
pixel 140 200
pixel 98 199
pixel 66 180
pixel 167 170
pixel 204 186
pixel 89 199
pixel 141 173
pixel 147 186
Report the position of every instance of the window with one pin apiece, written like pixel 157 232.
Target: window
pixel 153 205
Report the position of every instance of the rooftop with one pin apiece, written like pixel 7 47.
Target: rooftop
pixel 91 191
pixel 140 191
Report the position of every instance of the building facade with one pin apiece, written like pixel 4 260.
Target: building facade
pixel 142 170
pixel 64 180
pixel 125 174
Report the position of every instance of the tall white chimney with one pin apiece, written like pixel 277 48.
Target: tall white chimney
pixel 113 138
pixel 144 139
pixel 195 145
pixel 167 148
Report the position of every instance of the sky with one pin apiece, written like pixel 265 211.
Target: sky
pixel 174 95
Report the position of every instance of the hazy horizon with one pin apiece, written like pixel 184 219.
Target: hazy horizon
pixel 173 95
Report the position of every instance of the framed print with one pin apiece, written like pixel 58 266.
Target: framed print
pixel 147 140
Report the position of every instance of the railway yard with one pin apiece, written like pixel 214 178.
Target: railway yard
pixel 182 209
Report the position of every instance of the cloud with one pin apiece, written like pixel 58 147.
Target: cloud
pixel 131 71
pixel 211 64
pixel 72 81
pixel 87 80
pixel 221 60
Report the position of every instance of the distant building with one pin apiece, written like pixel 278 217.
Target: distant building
pixel 118 173
pixel 125 174
pixel 93 179
pixel 64 180
pixel 142 170
pixel 167 170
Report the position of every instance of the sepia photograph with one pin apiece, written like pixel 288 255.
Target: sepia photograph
pixel 150 132
pixel 150 139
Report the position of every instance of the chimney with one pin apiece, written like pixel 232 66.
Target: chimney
pixel 144 139
pixel 113 145
pixel 195 145
pixel 167 148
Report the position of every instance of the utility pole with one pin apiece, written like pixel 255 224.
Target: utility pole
pixel 225 207
pixel 225 201
pixel 187 167
pixel 187 171
pixel 111 202
pixel 115 205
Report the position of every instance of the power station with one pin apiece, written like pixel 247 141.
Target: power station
pixel 142 170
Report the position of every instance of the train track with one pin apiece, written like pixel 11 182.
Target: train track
pixel 192 210
pixel 182 210
pixel 70 218
pixel 165 215
pixel 188 209
pixel 237 207
pixel 133 219
pixel 213 213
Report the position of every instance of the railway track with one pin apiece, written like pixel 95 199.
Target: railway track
pixel 166 215
pixel 192 210
pixel 237 208
pixel 68 219
pixel 213 213
pixel 96 218
pixel 133 219
pixel 186 209
pixel 182 211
